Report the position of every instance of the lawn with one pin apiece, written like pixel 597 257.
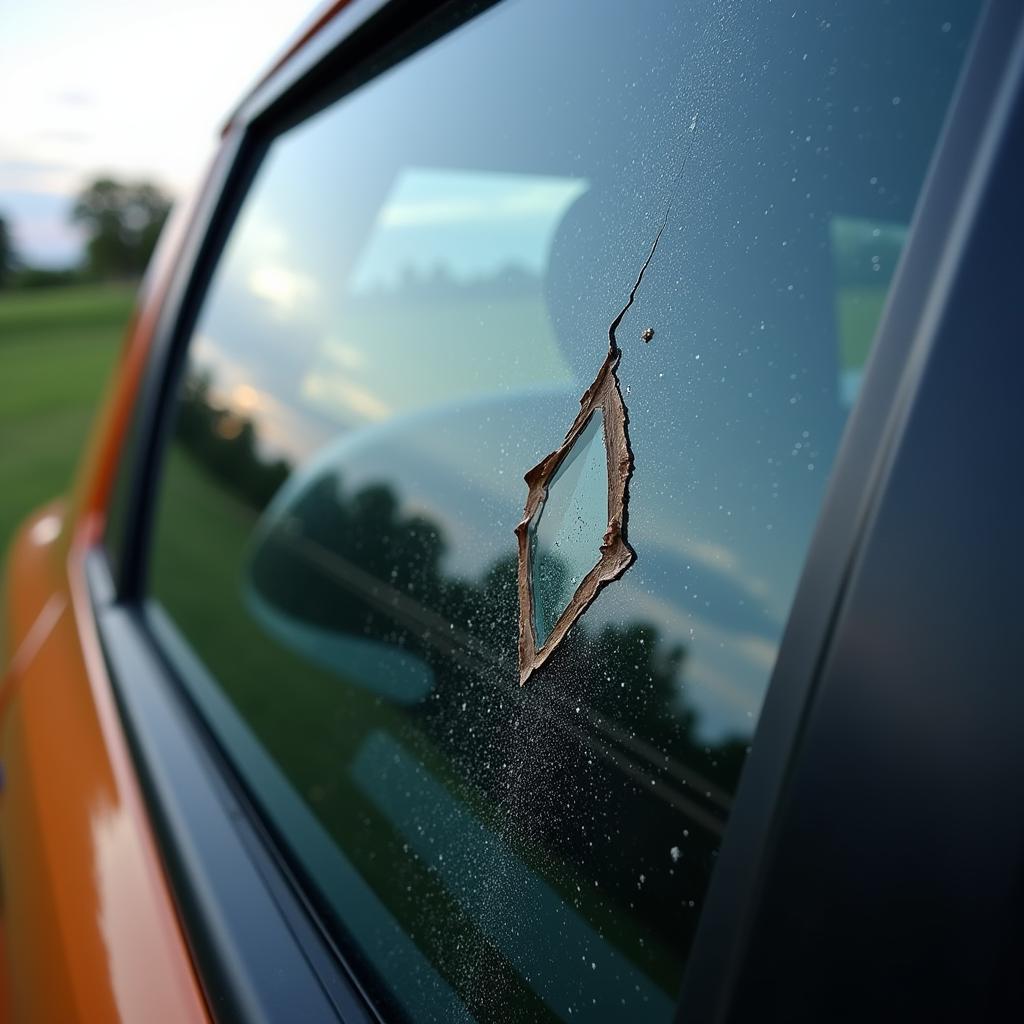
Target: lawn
pixel 57 347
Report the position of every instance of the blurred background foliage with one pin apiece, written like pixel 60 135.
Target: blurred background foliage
pixel 59 333
pixel 101 129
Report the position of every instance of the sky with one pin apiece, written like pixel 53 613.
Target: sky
pixel 137 90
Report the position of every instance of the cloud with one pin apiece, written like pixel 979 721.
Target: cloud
pixel 66 136
pixel 337 390
pixel 723 562
pixel 282 288
pixel 28 174
pixel 67 72
pixel 21 166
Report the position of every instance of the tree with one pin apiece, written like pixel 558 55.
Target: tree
pixel 9 261
pixel 123 222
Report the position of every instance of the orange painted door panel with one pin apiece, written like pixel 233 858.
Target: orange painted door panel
pixel 89 929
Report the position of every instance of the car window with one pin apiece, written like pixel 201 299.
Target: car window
pixel 503 761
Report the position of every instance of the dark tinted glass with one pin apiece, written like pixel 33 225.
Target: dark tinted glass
pixel 416 294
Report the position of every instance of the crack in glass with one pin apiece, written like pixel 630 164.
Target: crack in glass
pixel 542 568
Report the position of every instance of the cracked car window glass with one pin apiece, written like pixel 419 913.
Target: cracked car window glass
pixel 566 533
pixel 407 315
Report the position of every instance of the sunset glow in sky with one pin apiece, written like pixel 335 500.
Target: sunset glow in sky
pixel 137 90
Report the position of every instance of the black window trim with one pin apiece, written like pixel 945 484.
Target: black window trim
pixel 951 204
pixel 260 952
pixel 166 732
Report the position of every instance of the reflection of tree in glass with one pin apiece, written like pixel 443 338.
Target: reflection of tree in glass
pixel 225 443
pixel 595 775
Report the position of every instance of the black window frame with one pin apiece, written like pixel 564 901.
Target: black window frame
pixel 253 930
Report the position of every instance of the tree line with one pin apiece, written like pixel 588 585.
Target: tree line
pixel 121 221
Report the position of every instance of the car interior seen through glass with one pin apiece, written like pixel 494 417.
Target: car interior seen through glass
pixel 409 307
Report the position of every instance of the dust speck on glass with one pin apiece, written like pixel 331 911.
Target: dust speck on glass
pixel 415 295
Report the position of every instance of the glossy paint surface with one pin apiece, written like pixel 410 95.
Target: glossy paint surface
pixel 88 927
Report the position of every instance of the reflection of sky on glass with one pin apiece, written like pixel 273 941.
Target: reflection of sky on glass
pixel 461 467
pixel 431 307
pixel 389 339
pixel 415 296
pixel 467 224
pixel 446 248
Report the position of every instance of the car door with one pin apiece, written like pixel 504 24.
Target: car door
pixel 423 242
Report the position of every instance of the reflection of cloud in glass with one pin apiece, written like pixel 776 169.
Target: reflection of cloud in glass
pixel 281 430
pixel 348 356
pixel 759 651
pixel 489 197
pixel 725 667
pixel 471 223
pixel 282 288
pixel 717 558
pixel 462 256
pixel 247 399
pixel 335 390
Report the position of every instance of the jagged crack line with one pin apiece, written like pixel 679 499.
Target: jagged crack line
pixel 613 327
pixel 613 344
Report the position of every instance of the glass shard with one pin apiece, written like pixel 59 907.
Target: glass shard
pixel 576 503
pixel 566 532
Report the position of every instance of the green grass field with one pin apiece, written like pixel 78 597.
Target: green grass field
pixel 57 347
